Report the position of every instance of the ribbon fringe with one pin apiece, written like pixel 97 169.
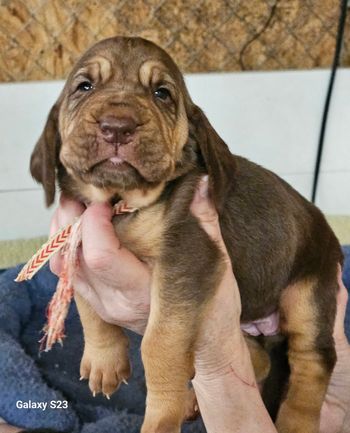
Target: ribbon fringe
pixel 68 240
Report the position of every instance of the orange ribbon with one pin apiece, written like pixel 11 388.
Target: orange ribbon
pixel 69 238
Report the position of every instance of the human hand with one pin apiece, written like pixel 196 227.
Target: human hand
pixel 221 346
pixel 7 428
pixel 224 380
pixel 335 413
pixel 109 277
pixel 218 351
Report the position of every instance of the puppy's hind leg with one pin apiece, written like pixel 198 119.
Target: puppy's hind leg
pixel 307 312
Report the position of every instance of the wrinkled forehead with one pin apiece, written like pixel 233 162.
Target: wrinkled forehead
pixel 127 62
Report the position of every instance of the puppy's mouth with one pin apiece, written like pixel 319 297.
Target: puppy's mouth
pixel 114 164
pixel 125 165
pixel 116 160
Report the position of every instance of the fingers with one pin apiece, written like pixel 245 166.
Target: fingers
pixel 102 252
pixel 65 214
pixel 7 428
pixel 99 240
pixel 109 275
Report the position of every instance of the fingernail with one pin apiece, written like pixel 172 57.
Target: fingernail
pixel 203 186
pixel 125 381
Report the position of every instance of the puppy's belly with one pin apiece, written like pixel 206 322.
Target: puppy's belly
pixel 267 326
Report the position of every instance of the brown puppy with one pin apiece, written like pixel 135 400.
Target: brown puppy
pixel 125 128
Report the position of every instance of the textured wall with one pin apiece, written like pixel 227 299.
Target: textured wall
pixel 41 39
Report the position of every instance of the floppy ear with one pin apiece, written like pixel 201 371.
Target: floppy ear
pixel 44 158
pixel 217 158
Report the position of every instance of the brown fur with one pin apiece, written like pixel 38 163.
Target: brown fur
pixel 283 253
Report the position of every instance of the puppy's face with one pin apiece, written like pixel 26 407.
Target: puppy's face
pixel 123 122
pixel 122 116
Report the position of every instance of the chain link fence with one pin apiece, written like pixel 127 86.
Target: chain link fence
pixel 41 39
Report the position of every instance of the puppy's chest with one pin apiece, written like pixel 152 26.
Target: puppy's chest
pixel 141 232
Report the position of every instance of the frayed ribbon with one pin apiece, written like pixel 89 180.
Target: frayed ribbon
pixel 68 241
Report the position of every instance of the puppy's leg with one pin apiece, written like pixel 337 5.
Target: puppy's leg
pixel 259 357
pixel 308 311
pixel 105 361
pixel 168 360
pixel 182 284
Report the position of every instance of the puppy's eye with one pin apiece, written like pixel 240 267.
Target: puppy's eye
pixel 162 93
pixel 85 86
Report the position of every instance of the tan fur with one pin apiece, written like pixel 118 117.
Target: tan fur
pixel 105 360
pixel 260 359
pixel 142 198
pixel 300 412
pixel 180 135
pixel 148 69
pixel 94 194
pixel 98 67
pixel 142 233
pixel 166 353
pixel 154 71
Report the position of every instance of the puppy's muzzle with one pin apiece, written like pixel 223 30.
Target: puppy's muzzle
pixel 117 130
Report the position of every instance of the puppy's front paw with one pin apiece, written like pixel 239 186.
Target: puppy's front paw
pixel 105 367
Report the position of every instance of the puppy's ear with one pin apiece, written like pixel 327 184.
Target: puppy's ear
pixel 44 158
pixel 217 158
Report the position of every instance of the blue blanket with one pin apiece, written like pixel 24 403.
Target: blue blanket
pixel 53 377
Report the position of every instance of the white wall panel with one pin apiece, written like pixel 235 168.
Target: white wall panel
pixel 272 118
pixel 23 215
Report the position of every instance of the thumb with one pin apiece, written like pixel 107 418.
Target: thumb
pixel 99 241
pixel 204 210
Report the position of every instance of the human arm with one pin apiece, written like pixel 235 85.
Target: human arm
pixel 229 387
pixel 335 413
pixel 227 394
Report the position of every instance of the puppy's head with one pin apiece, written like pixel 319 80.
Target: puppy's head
pixel 124 121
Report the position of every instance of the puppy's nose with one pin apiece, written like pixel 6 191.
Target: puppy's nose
pixel 117 130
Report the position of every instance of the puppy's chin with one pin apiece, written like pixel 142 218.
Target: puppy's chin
pixel 117 175
pixel 110 177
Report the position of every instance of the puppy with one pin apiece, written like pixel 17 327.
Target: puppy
pixel 125 127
